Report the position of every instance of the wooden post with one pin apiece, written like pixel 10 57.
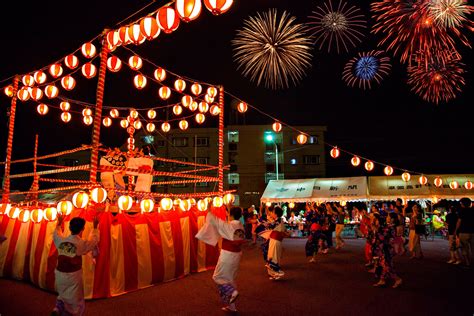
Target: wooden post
pixel 221 140
pixel 35 186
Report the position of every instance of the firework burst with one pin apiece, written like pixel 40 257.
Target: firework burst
pixel 366 68
pixel 273 49
pixel 450 13
pixel 340 26
pixel 440 80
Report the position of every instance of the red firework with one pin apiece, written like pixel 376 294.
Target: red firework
pixel 407 28
pixel 439 77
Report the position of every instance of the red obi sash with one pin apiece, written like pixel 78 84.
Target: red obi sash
pixel 277 235
pixel 68 264
pixel 232 245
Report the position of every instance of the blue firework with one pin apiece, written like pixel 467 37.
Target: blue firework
pixel 366 68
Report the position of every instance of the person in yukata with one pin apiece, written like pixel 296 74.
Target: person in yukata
pixel 275 246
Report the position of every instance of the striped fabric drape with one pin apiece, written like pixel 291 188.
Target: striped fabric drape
pixel 136 251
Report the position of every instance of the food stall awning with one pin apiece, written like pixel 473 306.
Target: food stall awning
pixel 299 190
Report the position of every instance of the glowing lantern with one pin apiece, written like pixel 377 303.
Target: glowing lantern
pixel 164 92
pixel 125 202
pixel 200 118
pixel 193 106
pixel 335 152
pixel 133 113
pixel 114 113
pixel 135 34
pixel 80 199
pixel 114 64
pixel 369 166
pixel 302 139
pixel 438 182
pixel 180 85
pixel 99 195
pixel 137 124
pixel 242 107
pixel 160 74
pixel 167 19
pixel 166 204
pixel 276 127
pixel 124 123
pixel 65 117
pixel 40 77
pixel 23 94
pixel 355 161
pixel 208 98
pixel 24 216
pixel 28 80
pixel 406 176
pixel 5 209
pixel 183 125
pixel 217 201
pixel 36 94
pixel 42 109
pixel 71 61
pixel 186 101
pixel 88 50
pixel 113 39
pixel 36 215
pixel 212 92
pixel 292 205
pixel 8 91
pixel 123 35
pixel 107 121
pixel 86 112
pixel 56 70
pixel 215 110
pixel 423 180
pixel 202 205
pixel 51 91
pixel 453 185
pixel 228 199
pixel 388 171
pixel 14 213
pixel 188 10
pixel 218 6
pixel 88 120
pixel 149 28
pixel 165 127
pixel 177 110
pixel 468 185
pixel 147 205
pixel 203 107
pixel 139 81
pixel 176 202
pixel 89 70
pixel 150 127
pixel 185 205
pixel 68 83
pixel 196 89
pixel 51 213
pixel 343 203
pixel 151 114
pixel 135 62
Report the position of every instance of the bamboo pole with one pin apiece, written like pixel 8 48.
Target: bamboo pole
pixel 35 186
pixel 221 140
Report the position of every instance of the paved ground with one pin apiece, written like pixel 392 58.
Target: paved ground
pixel 337 284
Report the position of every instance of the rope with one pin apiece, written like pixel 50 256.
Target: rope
pixel 64 181
pixel 84 147
pixel 178 182
pixel 69 169
pixel 157 173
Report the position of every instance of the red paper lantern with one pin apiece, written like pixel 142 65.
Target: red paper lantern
pixel 98 195
pixel 177 110
pixel 150 127
pixel 137 125
pixel 276 127
pixel 423 180
pixel 135 34
pixel 89 70
pixel 388 171
pixel 468 185
pixel 86 112
pixel 212 92
pixel 80 199
pixel 135 62
pixel 113 39
pixel 355 161
pixel 28 80
pixel 149 28
pixel 164 92
pixel 107 121
pixel 147 205
pixel 215 110
pixel 56 70
pixel 123 35
pixel 188 10
pixel 151 114
pixel 51 91
pixel 453 185
pixel 133 113
pixel 42 109
pixel 369 166
pixel 40 77
pixel 183 125
pixel 302 139
pixel 180 85
pixel 160 74
pixel 406 176
pixel 8 91
pixel 23 94
pixel 71 61
pixel 165 127
pixel 438 182
pixel 335 152
pixel 125 202
pixel 114 113
pixel 242 107
pixel 36 215
pixel 88 50
pixel 193 106
pixel 139 81
pixel 203 107
pixel 88 120
pixel 124 123
pixel 65 117
pixel 218 6
pixel 65 106
pixel 196 89
pixel 208 98
pixel 168 19
pixel 186 101
pixel 200 118
pixel 114 63
pixel 68 83
pixel 36 94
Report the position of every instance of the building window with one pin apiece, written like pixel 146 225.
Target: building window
pixel 148 139
pixel 311 160
pixel 313 139
pixel 178 185
pixel 233 157
pixel 233 136
pixel 71 162
pixel 293 161
pixel 202 184
pixel 177 165
pixel 202 160
pixel 180 141
pixel 232 146
pixel 234 178
pixel 160 143
pixel 202 141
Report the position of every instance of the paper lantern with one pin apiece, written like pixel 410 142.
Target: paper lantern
pixel 202 205
pixel 355 161
pixel 388 170
pixel 188 10
pixel 196 89
pixel 124 123
pixel 166 204
pixel 86 112
pixel 88 50
pixel 185 205
pixel 133 113
pixel 406 176
pixel 107 121
pixel 291 205
pixel 24 216
pixel 51 91
pixel 139 81
pixel 99 195
pixel 147 205
pixel 218 6
pixel 135 34
pixel 150 127
pixel 88 120
pixel 468 185
pixel 208 98
pixel 151 114
pixel 36 94
pixel 369 166
pixel 42 109
pixel 56 70
pixel 183 125
pixel 137 125
pixel 186 100
pixel 203 107
pixel 113 38
pixel 168 19
pixel 200 118
pixel 40 77
pixel 135 62
pixel 65 117
pixel 149 28
pixel 89 70
pixel 114 64
pixel 176 202
pixel 180 85
pixel 23 94
pixel 242 107
pixel 276 127
pixel 164 93
pixel 193 106
pixel 123 35
pixel 160 74
pixel 51 213
pixel 114 113
pixel 28 80
pixel 217 201
pixel 177 110
pixel 125 202
pixel 68 83
pixel 5 208
pixel 211 92
pixel 302 139
pixel 423 180
pixel 14 212
pixel 8 91
pixel 36 215
pixel 229 198
pixel 215 110
pixel 80 199
pixel 165 127
pixel 335 152
pixel 453 185
pixel 71 61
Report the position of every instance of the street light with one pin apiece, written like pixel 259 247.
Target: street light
pixel 271 138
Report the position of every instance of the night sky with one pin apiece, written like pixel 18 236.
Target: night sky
pixel 387 124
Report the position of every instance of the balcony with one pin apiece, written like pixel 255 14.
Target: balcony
pixel 272 176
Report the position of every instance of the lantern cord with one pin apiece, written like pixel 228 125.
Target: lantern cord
pixel 140 10
pixel 66 152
